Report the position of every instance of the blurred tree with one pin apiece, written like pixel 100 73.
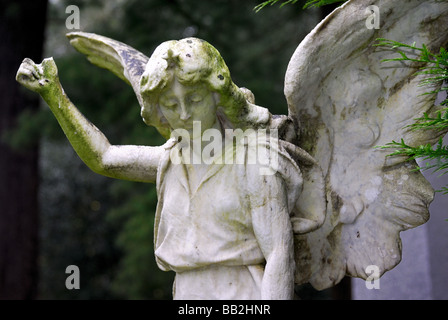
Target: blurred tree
pixel 22 25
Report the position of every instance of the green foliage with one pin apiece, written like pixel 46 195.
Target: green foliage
pixel 138 276
pixel 272 2
pixel 438 156
pixel 320 3
pixel 438 123
pixel 308 4
pixel 73 230
pixel 31 125
pixel 435 67
pixel 426 152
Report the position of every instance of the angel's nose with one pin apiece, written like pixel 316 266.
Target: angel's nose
pixel 185 113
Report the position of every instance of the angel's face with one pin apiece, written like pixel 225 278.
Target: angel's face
pixel 181 105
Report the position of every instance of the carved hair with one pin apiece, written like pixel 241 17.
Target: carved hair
pixel 193 61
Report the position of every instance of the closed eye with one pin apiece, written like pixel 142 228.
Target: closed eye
pixel 195 98
pixel 171 103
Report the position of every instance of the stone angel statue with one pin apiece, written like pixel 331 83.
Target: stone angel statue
pixel 319 202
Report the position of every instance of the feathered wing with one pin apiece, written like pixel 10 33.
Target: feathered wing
pixel 346 102
pixel 119 58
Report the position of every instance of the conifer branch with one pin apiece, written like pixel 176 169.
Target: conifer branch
pixel 308 4
pixel 435 66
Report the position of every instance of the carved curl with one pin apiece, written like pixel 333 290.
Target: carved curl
pixel 192 61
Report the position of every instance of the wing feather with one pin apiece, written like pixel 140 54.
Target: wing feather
pixel 346 101
pixel 119 58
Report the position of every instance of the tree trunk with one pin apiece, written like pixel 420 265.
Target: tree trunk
pixel 22 25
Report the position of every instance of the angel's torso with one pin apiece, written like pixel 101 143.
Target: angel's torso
pixel 203 220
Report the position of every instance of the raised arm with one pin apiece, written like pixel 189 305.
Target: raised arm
pixel 136 163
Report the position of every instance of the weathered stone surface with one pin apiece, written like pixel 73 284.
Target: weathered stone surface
pixel 354 102
pixel 299 198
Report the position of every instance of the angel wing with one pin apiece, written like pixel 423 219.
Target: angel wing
pixel 346 102
pixel 119 58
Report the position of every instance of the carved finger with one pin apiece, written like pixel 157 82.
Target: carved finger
pixel 29 70
pixel 24 74
pixel 28 61
pixel 22 78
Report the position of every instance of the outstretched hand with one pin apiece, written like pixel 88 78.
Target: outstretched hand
pixel 37 77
